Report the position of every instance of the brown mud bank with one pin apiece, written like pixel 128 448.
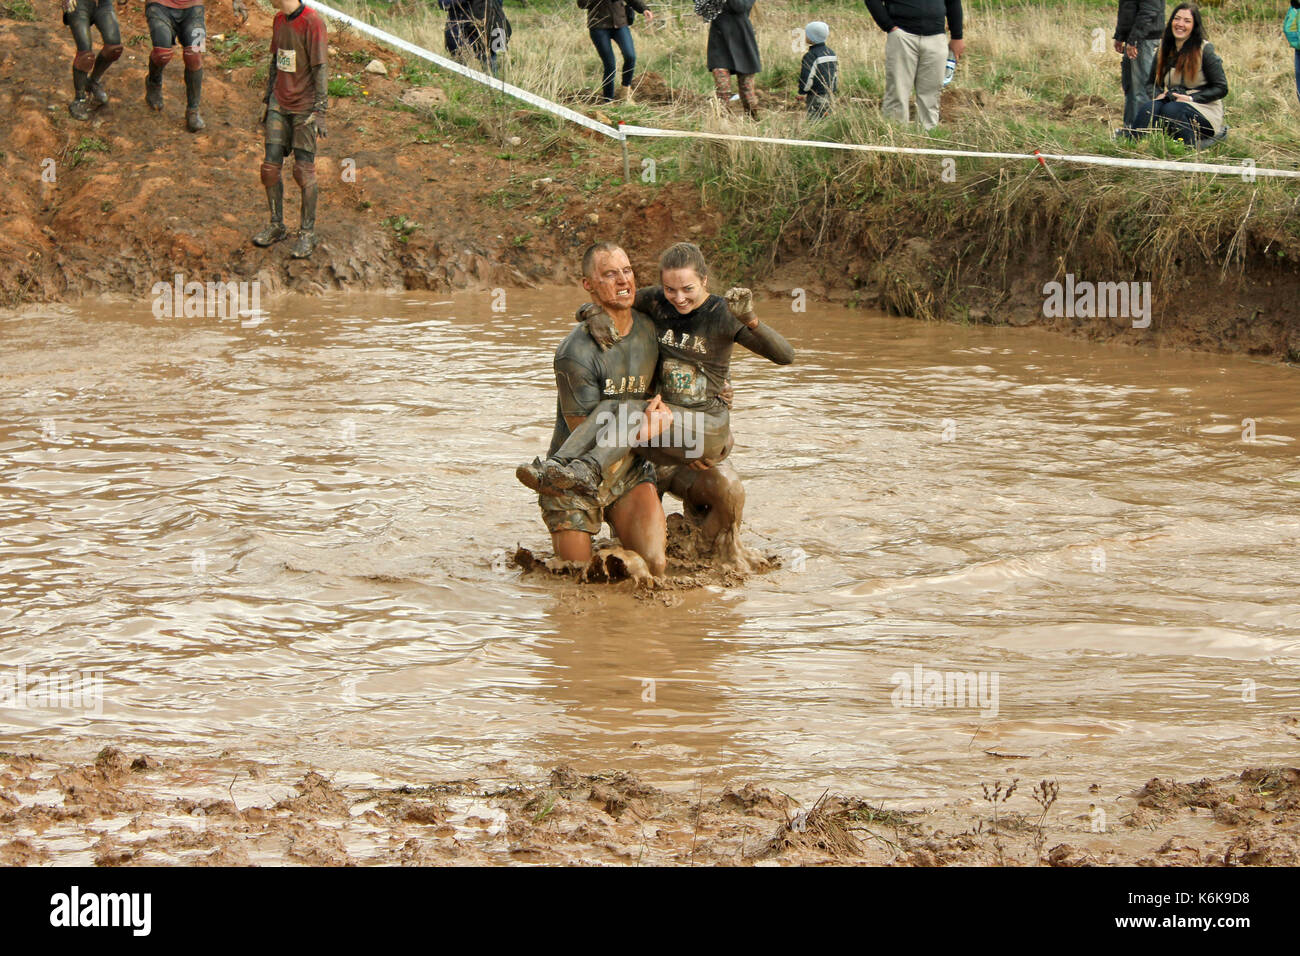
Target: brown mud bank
pixel 413 198
pixel 408 199
pixel 121 810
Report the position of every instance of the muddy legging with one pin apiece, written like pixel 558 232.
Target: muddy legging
pixel 606 436
pixel 722 85
pixel 102 17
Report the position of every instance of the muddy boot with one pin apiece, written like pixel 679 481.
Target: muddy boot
pixel 96 87
pixel 576 475
pixel 153 87
pixel 80 106
pixel 625 94
pixel 530 474
pixel 305 244
pixel 275 231
pixel 193 90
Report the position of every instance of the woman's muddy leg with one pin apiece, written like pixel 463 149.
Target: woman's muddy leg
pixel 748 95
pixel 693 435
pixel 722 85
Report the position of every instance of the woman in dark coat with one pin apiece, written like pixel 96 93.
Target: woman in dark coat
pixel 733 48
pixel 607 24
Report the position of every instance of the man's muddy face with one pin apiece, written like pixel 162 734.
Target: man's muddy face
pixel 684 289
pixel 612 284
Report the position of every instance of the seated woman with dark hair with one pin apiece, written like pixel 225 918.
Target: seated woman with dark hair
pixel 1190 78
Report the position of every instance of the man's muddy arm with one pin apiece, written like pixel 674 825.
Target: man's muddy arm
pixel 578 389
pixel 321 87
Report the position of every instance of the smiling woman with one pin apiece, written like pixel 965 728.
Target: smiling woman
pixel 1192 83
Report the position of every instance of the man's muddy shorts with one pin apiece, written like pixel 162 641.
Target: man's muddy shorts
pixel 290 130
pixel 167 25
pixel 574 512
pixel 98 12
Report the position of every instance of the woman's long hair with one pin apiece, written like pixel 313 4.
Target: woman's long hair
pixel 1188 61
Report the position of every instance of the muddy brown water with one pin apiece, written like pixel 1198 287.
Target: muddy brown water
pixel 283 541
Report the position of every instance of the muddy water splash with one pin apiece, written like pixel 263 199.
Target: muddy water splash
pixel 284 541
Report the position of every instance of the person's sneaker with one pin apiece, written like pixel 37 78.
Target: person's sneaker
pixel 270 235
pixel 576 476
pixel 530 475
pixel 153 94
pixel 193 121
pixel 97 92
pixel 80 109
pixel 304 245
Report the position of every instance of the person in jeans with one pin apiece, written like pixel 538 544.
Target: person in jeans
pixel 1291 29
pixel 1137 37
pixel 916 49
pixel 608 22
pixel 1189 77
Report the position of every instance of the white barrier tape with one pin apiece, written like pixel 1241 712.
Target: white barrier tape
pixel 973 154
pixel 624 130
pixel 475 75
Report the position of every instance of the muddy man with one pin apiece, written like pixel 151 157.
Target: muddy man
pixel 169 21
pixel 88 68
pixel 297 93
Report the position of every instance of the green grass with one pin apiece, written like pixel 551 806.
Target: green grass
pixel 342 85
pixel 18 10
pixel 234 51
pixel 81 152
pixel 402 227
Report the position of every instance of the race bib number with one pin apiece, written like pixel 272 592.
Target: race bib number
pixel 682 380
pixel 286 61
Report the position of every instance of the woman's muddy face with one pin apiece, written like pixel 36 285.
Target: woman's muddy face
pixel 1181 24
pixel 684 288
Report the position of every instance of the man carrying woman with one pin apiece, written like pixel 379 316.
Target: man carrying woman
pixel 695 332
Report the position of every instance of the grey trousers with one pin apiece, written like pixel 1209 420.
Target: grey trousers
pixel 914 64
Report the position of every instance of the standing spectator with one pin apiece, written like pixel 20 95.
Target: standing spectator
pixel 733 48
pixel 478 27
pixel 819 71
pixel 1137 37
pixel 608 22
pixel 1192 84
pixel 1291 28
pixel 916 51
